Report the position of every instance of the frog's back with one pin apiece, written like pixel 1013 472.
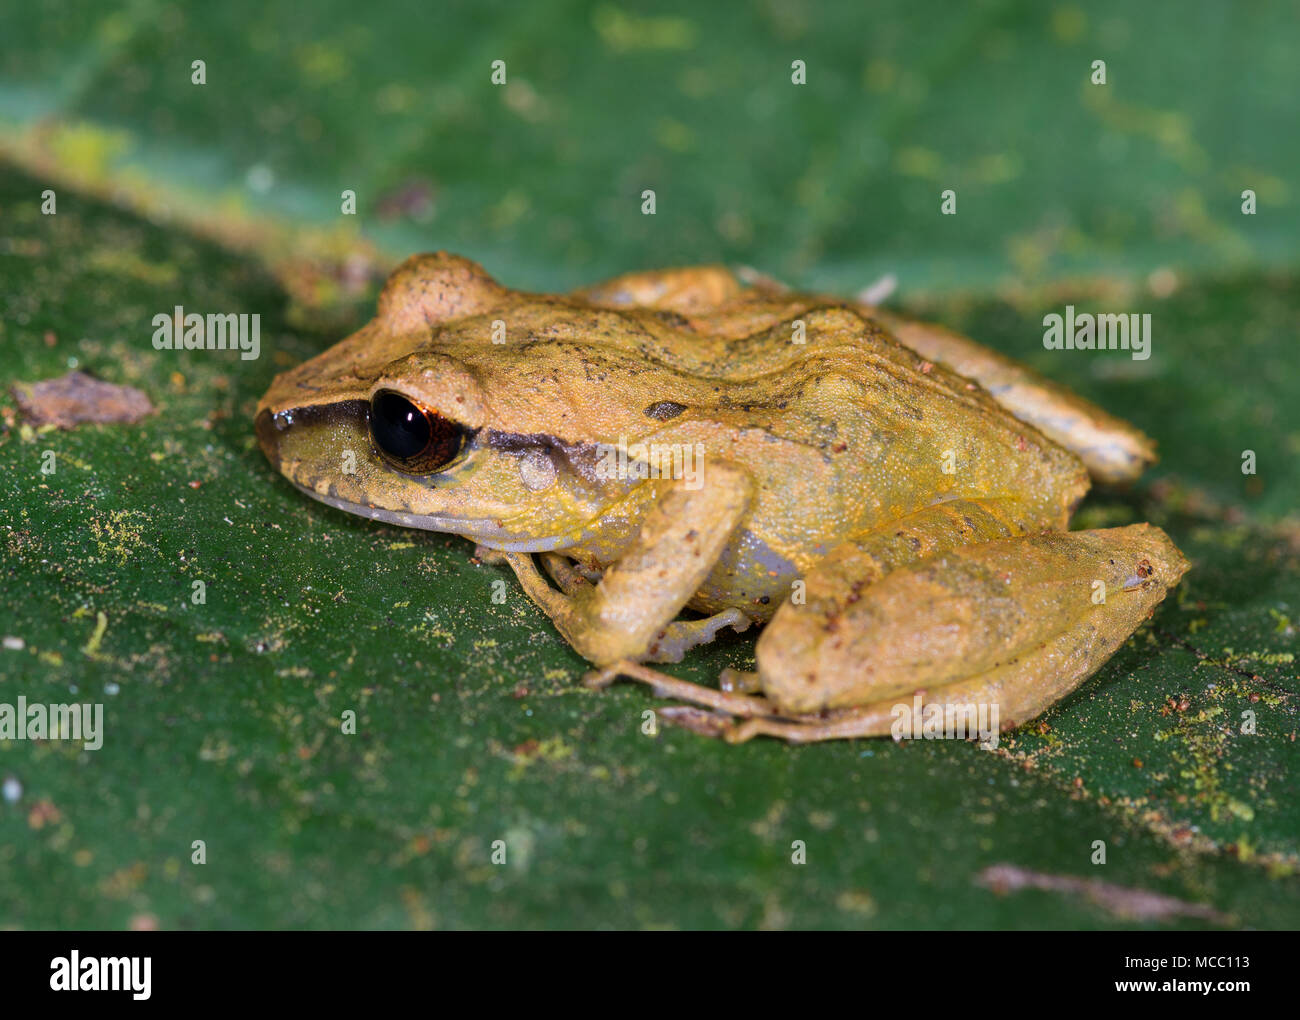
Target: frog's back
pixel 843 428
pixel 873 428
pixel 825 408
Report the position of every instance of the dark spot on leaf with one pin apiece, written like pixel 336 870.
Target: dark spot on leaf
pixel 78 399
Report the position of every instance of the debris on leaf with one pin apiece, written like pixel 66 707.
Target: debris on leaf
pixel 1119 900
pixel 79 399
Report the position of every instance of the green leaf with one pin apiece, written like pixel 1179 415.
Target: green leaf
pixel 223 719
pixel 834 182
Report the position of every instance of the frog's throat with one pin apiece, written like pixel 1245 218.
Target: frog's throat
pixel 484 532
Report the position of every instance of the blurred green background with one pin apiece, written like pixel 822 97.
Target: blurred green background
pixel 223 719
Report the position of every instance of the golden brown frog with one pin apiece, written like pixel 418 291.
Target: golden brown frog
pixel 895 512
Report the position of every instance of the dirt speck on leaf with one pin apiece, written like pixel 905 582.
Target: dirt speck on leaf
pixel 79 399
pixel 1119 900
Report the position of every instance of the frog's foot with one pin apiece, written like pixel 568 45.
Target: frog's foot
pixel 868 721
pixel 665 686
pixel 565 574
pixel 740 681
pixel 484 554
pixel 680 636
pixel 761 717
pixel 564 609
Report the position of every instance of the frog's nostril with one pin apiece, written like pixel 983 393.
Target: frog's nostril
pixel 266 437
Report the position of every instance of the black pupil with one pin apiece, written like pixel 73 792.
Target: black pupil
pixel 420 441
pixel 400 428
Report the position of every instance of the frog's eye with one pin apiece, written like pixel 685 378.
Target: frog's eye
pixel 415 439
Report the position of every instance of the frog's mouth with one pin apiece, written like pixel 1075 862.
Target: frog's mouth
pixel 484 532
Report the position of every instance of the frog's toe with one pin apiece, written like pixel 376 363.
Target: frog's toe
pixel 743 706
pixel 563 573
pixel 679 637
pixel 740 681
pixel 599 679
pixel 491 556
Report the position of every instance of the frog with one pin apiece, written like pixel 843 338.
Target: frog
pixel 674 453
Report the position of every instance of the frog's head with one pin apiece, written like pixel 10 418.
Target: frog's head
pixel 419 419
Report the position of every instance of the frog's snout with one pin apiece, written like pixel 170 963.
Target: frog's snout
pixel 266 437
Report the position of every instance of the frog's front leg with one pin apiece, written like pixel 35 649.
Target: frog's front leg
pixel 674 640
pixel 629 613
pixel 564 573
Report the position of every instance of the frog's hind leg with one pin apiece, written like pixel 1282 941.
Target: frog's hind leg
pixel 1112 449
pixel 688 291
pixel 665 686
pixel 980 637
pixel 868 721
pixel 1011 625
pixel 761 717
